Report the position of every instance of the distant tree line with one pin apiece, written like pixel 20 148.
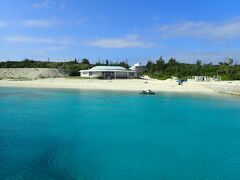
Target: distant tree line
pixel 160 69
pixel 74 66
pixel 111 63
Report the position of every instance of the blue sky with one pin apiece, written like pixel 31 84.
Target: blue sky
pixel 135 30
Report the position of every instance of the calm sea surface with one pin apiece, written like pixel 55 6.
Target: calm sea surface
pixel 61 134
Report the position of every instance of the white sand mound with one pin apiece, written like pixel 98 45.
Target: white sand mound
pixel 31 73
pixel 231 87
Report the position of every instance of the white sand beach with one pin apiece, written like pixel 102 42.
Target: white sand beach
pixel 120 85
pixel 231 87
pixel 54 78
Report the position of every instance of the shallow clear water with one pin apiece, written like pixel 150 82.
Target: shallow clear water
pixel 60 134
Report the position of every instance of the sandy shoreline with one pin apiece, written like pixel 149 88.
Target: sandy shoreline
pixel 136 85
pixel 122 85
pixel 228 87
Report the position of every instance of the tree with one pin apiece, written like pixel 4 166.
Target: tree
pixel 199 63
pixel 150 66
pixel 107 62
pixel 172 62
pixel 98 63
pixel 160 64
pixel 229 61
pixel 198 67
pixel 123 64
pixel 85 61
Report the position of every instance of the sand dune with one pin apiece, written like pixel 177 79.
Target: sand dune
pixel 31 73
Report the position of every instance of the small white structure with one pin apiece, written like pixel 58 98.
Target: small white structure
pixel 201 78
pixel 108 72
pixel 206 78
pixel 138 68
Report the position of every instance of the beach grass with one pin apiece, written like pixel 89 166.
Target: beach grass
pixel 20 79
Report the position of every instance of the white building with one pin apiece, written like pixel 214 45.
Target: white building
pixel 108 72
pixel 206 78
pixel 201 78
pixel 138 68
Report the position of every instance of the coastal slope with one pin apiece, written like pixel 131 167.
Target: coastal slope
pixel 31 73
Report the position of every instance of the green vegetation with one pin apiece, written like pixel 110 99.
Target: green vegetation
pixel 159 69
pixel 20 79
pixel 110 63
pixel 73 66
pixel 162 70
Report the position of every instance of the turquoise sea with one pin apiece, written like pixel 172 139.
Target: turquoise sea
pixel 67 134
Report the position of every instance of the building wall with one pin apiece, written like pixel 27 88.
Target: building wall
pixel 139 69
pixel 121 75
pixel 100 74
pixel 91 74
pixel 202 78
pixel 126 75
pixel 84 74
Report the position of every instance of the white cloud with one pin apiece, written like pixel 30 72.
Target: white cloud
pixel 51 23
pixel 43 4
pixel 62 6
pixel 56 43
pixel 39 23
pixel 28 39
pixel 3 24
pixel 66 41
pixel 131 41
pixel 206 56
pixel 56 48
pixel 45 23
pixel 203 30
